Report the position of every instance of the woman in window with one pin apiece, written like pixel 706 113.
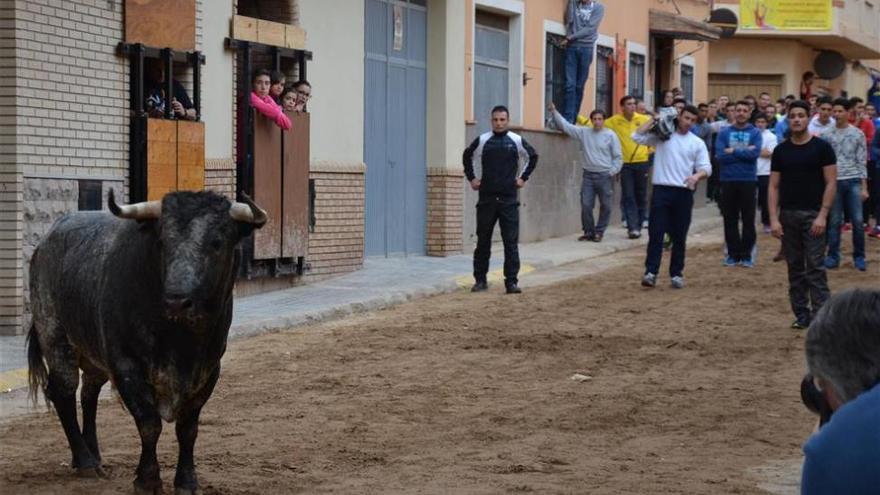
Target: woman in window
pixel 264 103
pixel 278 82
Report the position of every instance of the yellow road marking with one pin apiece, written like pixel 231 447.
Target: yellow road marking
pixel 465 281
pixel 13 379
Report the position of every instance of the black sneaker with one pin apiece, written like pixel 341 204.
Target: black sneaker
pixel 799 325
pixel 480 287
pixel 586 237
pixel 513 289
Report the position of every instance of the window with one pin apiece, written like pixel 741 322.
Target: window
pixel 687 82
pixel 554 74
pixel 491 66
pixel 637 75
pixel 89 195
pixel 604 79
pixel 281 11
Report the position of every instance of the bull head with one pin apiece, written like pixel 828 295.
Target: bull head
pixel 247 212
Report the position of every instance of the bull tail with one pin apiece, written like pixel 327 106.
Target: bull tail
pixel 38 373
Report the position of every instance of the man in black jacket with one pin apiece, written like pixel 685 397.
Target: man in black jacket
pixel 501 154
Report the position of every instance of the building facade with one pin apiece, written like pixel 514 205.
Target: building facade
pixel 68 128
pixel 774 59
pixel 399 87
pixel 513 57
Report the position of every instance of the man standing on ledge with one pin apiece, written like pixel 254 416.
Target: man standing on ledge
pixel 582 18
pixel 680 163
pixel 501 154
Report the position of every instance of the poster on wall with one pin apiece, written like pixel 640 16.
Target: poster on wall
pixel 398 28
pixel 786 15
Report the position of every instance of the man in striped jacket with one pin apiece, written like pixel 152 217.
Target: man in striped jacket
pixel 501 155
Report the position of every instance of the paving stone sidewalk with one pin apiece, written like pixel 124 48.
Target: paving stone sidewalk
pixel 383 282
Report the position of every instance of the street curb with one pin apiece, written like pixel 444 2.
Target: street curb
pixel 385 301
pixel 16 379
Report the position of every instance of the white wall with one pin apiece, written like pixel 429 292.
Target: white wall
pixel 335 34
pixel 217 77
pixel 446 76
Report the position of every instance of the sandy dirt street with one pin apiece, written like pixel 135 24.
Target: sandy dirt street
pixel 691 391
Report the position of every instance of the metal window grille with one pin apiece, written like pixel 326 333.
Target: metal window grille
pixel 637 75
pixel 604 79
pixel 687 82
pixel 554 74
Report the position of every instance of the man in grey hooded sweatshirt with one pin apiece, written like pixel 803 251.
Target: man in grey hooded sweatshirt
pixel 582 18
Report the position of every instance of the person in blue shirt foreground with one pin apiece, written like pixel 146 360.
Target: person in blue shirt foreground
pixel 843 356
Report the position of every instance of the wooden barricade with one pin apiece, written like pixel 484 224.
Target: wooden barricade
pixel 267 186
pixel 175 157
pixel 281 187
pixel 295 242
pixel 161 23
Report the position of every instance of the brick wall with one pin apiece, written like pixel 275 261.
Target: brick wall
pixel 10 180
pixel 337 244
pixel 220 177
pixel 71 105
pixel 445 209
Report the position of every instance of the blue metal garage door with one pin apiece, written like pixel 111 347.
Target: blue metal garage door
pixel 395 117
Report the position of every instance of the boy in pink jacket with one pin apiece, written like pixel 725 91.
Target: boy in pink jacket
pixel 263 102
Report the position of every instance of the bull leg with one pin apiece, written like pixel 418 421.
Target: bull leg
pixel 185 481
pixel 93 380
pixel 61 390
pixel 138 398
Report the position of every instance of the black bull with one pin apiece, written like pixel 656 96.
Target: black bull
pixel 143 298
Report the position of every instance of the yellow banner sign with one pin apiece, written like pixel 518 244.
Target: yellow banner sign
pixel 785 15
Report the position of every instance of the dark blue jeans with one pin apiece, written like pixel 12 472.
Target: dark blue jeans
pixel 847 200
pixel 807 279
pixel 596 184
pixel 577 68
pixel 634 194
pixel 876 191
pixel 671 209
pixel 738 209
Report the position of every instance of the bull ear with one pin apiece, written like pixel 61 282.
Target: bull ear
pixel 248 212
pixel 148 210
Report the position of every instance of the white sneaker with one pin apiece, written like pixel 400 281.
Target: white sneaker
pixel 649 280
pixel 678 282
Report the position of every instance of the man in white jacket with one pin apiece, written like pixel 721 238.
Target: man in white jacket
pixel 680 162
pixel 602 160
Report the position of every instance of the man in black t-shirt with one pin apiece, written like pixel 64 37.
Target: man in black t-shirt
pixel 803 181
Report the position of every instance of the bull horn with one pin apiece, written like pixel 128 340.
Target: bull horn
pixel 248 212
pixel 147 210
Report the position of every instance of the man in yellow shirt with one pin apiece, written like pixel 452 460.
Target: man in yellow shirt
pixel 634 175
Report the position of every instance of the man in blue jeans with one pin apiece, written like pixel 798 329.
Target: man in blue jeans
pixel 634 174
pixel 582 18
pixel 852 188
pixel 680 162
pixel 602 159
pixel 737 148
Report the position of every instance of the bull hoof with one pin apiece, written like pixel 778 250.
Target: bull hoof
pixel 91 472
pixel 145 490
